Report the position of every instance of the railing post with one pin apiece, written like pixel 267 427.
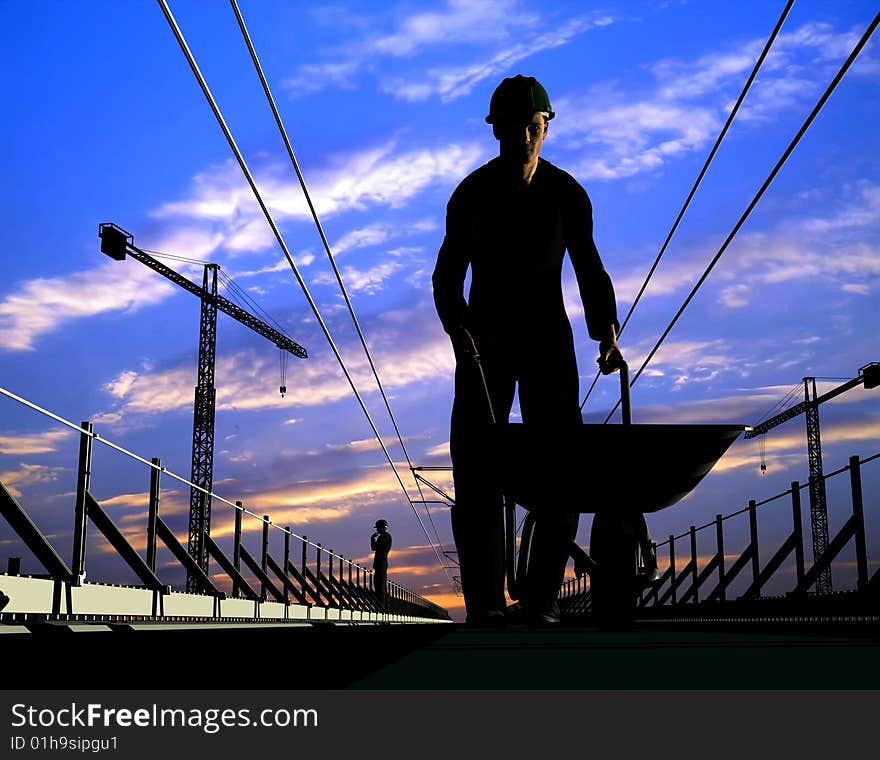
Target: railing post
pixel 153 515
pixel 672 565
pixel 855 479
pixel 83 480
pixel 753 537
pixel 798 530
pixel 236 544
pixel 719 540
pixel 264 558
pixel 330 576
pixel 286 563
pixel 318 550
pixel 694 573
pixel 303 563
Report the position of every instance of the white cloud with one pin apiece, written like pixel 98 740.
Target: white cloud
pixel 368 281
pixel 42 305
pixel 314 77
pixel 241 379
pixel 461 21
pixel 454 82
pixel 363 237
pixel 631 136
pixel 380 232
pixel 222 198
pixel 832 249
pixel 28 475
pixel 356 181
pixel 636 131
pixel 35 443
pixel 458 22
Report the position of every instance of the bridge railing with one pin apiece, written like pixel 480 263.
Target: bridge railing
pixel 721 582
pixel 300 574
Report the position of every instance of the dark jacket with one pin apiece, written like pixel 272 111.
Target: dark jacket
pixel 381 544
pixel 514 239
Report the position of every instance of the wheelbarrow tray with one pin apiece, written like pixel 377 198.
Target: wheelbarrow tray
pixel 591 468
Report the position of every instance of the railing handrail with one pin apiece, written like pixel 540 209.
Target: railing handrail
pixel 768 500
pixel 165 471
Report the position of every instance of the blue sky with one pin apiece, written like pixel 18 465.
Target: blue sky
pixel 384 104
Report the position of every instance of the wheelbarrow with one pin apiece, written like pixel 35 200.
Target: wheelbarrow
pixel 616 472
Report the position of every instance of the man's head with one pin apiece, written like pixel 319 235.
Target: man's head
pixel 519 113
pixel 381 525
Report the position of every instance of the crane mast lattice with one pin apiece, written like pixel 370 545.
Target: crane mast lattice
pixel 117 243
pixel 869 375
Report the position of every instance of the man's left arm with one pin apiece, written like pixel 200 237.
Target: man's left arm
pixel 594 283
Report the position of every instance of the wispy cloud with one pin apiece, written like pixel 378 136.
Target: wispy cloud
pixel 42 305
pixel 353 182
pixel 318 380
pixel 380 232
pixel 500 32
pixel 455 23
pixel 221 200
pixel 835 250
pixel 368 281
pixel 35 443
pixel 629 132
pixel 452 82
pixel 29 475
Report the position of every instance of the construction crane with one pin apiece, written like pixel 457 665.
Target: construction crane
pixel 869 376
pixel 117 243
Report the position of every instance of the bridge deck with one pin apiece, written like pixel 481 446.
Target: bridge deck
pixel 445 657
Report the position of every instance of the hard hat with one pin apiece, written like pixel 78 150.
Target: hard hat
pixel 517 97
pixel 381 523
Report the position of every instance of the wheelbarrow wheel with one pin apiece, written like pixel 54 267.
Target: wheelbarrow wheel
pixel 614 547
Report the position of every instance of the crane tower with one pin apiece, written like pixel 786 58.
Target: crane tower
pixel 117 243
pixel 869 376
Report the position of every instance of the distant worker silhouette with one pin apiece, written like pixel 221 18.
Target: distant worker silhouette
pixel 511 222
pixel 380 543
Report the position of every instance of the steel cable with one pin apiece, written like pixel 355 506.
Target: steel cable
pixel 754 202
pixel 287 143
pixel 279 238
pixel 687 203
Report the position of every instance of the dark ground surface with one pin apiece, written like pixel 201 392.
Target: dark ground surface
pixel 445 657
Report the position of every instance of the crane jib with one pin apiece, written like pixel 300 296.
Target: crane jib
pixel 116 243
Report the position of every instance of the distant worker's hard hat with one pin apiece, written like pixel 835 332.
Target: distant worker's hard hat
pixel 381 523
pixel 518 97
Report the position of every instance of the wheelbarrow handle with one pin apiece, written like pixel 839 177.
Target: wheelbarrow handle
pixel 625 405
pixel 476 355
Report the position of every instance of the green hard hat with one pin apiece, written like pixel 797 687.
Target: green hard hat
pixel 518 97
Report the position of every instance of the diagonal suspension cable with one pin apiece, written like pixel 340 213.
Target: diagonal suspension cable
pixel 754 202
pixel 687 203
pixel 324 241
pixel 320 320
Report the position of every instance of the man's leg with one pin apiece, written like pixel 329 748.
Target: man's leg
pixel 380 577
pixel 548 401
pixel 477 515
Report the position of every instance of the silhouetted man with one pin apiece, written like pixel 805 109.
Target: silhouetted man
pixel 380 543
pixel 511 222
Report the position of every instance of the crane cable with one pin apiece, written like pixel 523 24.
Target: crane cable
pixel 249 177
pixel 326 244
pixel 754 202
pixel 699 179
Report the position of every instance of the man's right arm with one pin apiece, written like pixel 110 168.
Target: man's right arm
pixel 450 271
